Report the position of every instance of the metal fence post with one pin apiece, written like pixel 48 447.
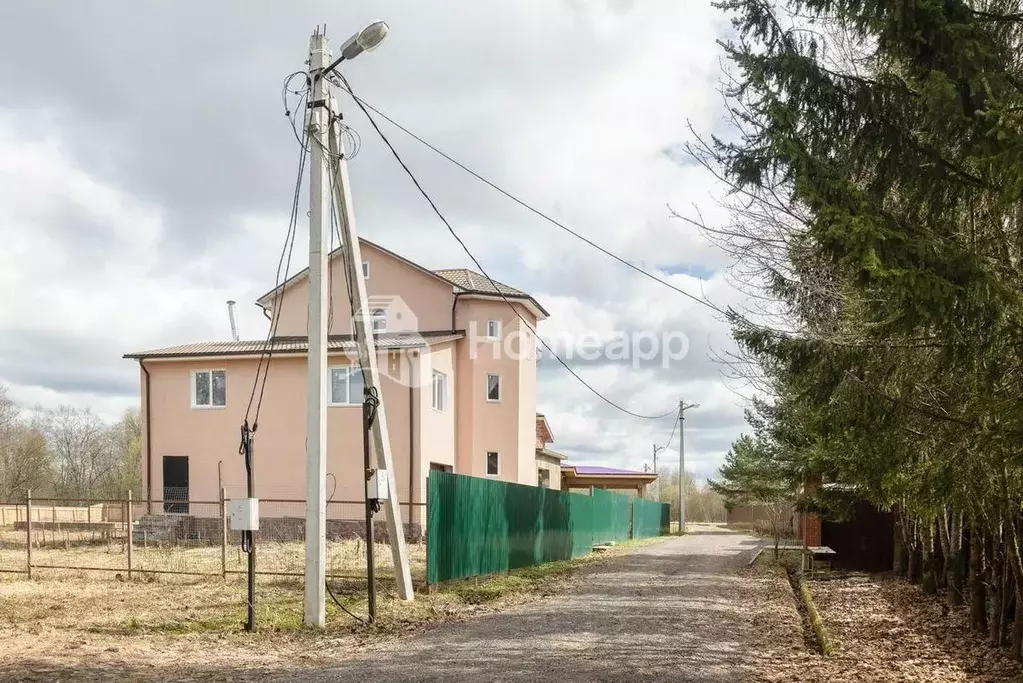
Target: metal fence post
pixel 223 532
pixel 28 530
pixel 131 513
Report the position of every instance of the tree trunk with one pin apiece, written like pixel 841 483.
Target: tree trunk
pixel 978 592
pixel 930 580
pixel 996 580
pixel 1016 647
pixel 899 555
pixel 1008 594
pixel 956 565
pixel 913 566
pixel 943 555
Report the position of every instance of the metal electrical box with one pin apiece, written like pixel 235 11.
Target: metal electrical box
pixel 377 487
pixel 245 514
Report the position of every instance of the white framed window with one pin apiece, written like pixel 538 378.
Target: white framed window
pixel 379 320
pixel 494 329
pixel 493 464
pixel 440 391
pixel 365 270
pixel 209 388
pixel 346 385
pixel 494 388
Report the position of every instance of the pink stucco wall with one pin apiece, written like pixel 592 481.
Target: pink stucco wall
pixel 209 436
pixel 459 436
pixel 508 426
pixel 425 300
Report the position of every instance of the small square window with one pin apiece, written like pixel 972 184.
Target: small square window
pixel 494 329
pixel 346 386
pixel 493 388
pixel 379 319
pixel 493 468
pixel 440 391
pixel 365 270
pixel 209 389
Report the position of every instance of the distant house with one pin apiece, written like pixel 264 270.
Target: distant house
pixel 459 388
pixel 548 462
pixel 583 478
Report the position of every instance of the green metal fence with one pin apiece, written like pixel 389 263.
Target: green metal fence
pixel 650 518
pixel 480 526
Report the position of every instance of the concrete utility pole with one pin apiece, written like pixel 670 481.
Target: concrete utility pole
pixel 362 320
pixel 316 397
pixel 329 171
pixel 682 408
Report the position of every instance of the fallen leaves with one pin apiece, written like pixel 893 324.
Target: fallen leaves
pixel 889 630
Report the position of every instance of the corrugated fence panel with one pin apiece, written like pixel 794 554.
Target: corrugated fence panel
pixel 480 526
pixel 648 518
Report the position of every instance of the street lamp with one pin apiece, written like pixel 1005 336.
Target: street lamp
pixel 366 40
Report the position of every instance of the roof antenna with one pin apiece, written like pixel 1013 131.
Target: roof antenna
pixel 234 323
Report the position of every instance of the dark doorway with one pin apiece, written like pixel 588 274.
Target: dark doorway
pixel 175 484
pixel 438 467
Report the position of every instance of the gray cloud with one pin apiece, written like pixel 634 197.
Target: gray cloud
pixel 174 109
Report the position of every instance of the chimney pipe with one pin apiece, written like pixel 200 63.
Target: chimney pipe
pixel 234 323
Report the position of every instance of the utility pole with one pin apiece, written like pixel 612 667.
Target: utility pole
pixel 361 319
pixel 682 408
pixel 316 403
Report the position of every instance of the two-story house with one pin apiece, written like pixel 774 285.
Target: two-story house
pixel 459 388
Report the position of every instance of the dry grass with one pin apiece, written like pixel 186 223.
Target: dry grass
pixel 80 550
pixel 76 626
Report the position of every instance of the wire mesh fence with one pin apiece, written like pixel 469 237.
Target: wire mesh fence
pixel 180 537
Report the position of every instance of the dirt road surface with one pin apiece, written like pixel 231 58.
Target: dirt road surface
pixel 668 612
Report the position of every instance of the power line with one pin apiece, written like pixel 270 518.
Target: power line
pixel 283 267
pixel 521 202
pixel 674 426
pixel 454 234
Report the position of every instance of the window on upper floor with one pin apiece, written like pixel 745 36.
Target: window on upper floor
pixel 440 391
pixel 494 329
pixel 379 320
pixel 365 270
pixel 493 464
pixel 346 385
pixel 209 388
pixel 493 388
pixel 543 478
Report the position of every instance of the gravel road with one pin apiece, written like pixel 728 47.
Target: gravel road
pixel 668 612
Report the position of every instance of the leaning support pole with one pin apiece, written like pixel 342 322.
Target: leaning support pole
pixel 381 443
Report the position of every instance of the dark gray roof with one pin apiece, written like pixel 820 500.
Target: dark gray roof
pixel 294 345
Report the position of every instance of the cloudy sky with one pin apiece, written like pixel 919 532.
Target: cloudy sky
pixel 146 168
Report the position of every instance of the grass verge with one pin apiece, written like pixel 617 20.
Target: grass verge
pixel 73 619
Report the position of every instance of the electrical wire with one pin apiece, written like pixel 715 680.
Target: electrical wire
pixel 458 239
pixel 674 426
pixel 521 202
pixel 283 268
pixel 347 611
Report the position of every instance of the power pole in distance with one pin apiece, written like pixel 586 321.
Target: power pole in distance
pixel 682 408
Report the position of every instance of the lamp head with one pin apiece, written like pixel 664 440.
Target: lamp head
pixel 365 40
